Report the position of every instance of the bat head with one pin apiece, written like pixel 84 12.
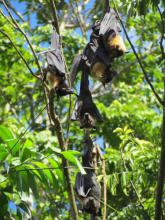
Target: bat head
pixel 90 119
pixel 91 205
pixel 102 73
pixel 98 70
pixel 115 45
pixel 110 33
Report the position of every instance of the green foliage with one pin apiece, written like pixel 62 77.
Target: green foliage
pixel 23 167
pixel 134 173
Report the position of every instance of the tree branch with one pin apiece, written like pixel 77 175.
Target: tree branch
pixel 24 34
pixel 161 175
pixel 15 11
pixel 138 59
pixel 162 34
pixel 20 54
pixel 7 19
pixel 60 137
pixel 79 19
pixel 104 189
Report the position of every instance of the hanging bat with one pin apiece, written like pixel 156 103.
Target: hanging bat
pixel 91 155
pixel 86 110
pixel 86 186
pixel 55 71
pixel 96 61
pixel 88 192
pixel 110 34
pixel 106 44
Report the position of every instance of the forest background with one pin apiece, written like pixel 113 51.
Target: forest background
pixel 32 182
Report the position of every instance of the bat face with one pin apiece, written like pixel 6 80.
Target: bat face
pixel 98 70
pixel 91 205
pixel 102 73
pixel 54 80
pixel 87 114
pixel 115 45
pixel 58 83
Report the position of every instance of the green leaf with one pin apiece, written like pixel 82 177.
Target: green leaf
pixel 118 130
pixel 45 170
pixel 124 183
pixel 22 181
pixel 25 154
pixel 58 172
pixel 13 145
pixel 5 133
pixel 71 158
pixel 2 178
pixel 33 185
pixel 3 152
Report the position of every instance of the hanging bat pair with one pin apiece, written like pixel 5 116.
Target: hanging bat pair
pixel 86 185
pixel 105 45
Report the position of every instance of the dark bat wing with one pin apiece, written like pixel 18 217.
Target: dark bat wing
pixel 55 57
pixel 80 186
pixel 75 68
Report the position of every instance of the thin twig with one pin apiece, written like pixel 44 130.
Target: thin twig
pixel 20 54
pixel 1 12
pixel 33 52
pixel 24 34
pixel 79 18
pixel 22 135
pixel 50 168
pixel 31 47
pixel 109 206
pixel 15 11
pixel 138 59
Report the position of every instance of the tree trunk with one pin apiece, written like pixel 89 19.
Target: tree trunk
pixel 161 176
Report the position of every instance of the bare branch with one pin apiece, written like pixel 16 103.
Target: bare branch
pixel 138 59
pixel 24 34
pixel 15 11
pixel 20 54
pixel 79 19
pixel 7 19
pixel 162 34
